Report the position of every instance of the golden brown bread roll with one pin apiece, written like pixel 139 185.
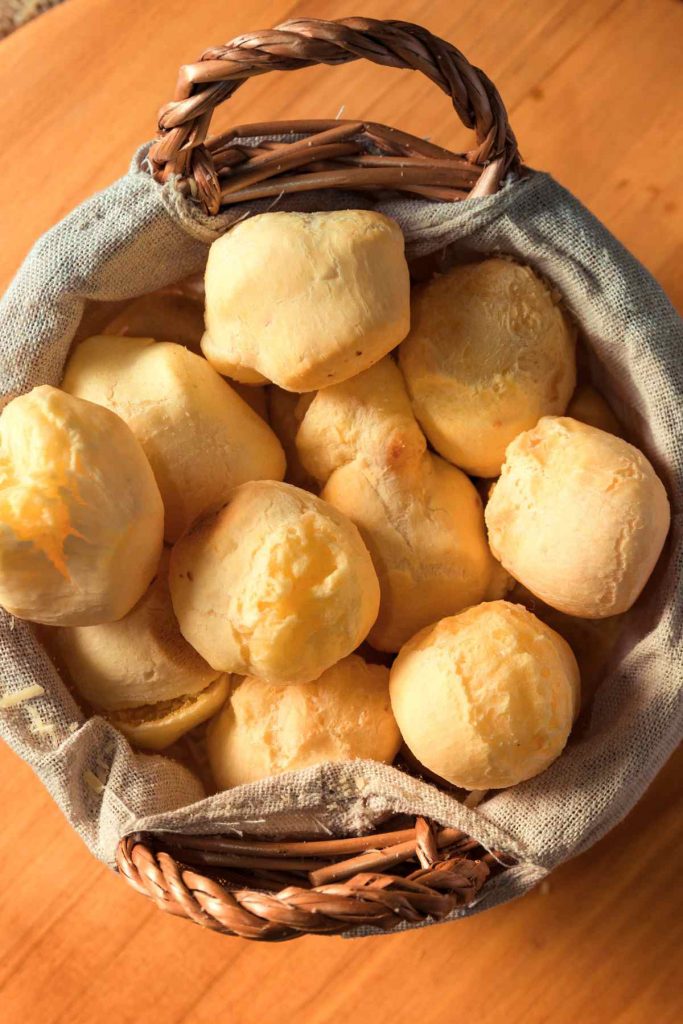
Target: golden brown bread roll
pixel 140 672
pixel 162 315
pixel 305 299
pixel 141 659
pixel 589 406
pixel 486 699
pixel 425 533
pixel 592 641
pixel 578 516
pixel 371 413
pixel 175 314
pixel 265 729
pixel 421 518
pixel 201 439
pixel 489 352
pixel 81 517
pixel 500 583
pixel 278 584
pixel 286 411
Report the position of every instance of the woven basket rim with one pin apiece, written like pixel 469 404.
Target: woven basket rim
pixel 352 155
pixel 273 890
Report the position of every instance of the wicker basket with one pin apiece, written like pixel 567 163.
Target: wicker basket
pixel 274 890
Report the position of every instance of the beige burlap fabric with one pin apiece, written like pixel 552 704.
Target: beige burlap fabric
pixel 135 237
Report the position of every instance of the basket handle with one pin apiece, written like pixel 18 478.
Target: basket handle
pixel 220 71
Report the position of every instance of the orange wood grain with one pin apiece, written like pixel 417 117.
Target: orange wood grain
pixel 594 92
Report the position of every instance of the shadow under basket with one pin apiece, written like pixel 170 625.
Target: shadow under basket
pixel 275 890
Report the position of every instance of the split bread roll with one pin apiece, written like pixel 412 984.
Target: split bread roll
pixel 305 299
pixel 278 584
pixel 486 699
pixel 489 352
pixel 157 726
pixel 140 671
pixel 578 516
pixel 141 659
pixel 265 730
pixel 421 518
pixel 81 517
pixel 201 439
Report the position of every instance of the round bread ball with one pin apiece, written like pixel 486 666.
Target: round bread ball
pixel 578 516
pixel 201 439
pixel 278 584
pixel 305 299
pixel 142 659
pixel 592 641
pixel 266 729
pixel 368 416
pixel 486 699
pixel 164 315
pixel 500 583
pixel 420 517
pixel 489 352
pixel 286 410
pixel 81 517
pixel 425 532
pixel 589 406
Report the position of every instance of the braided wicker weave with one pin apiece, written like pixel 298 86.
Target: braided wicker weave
pixel 280 890
pixel 274 890
pixel 231 168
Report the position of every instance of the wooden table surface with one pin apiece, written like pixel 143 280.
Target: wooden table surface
pixel 594 92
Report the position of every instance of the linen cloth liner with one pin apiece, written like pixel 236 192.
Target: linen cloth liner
pixel 135 237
